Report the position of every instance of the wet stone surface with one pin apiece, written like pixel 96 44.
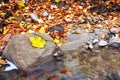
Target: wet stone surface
pixel 96 63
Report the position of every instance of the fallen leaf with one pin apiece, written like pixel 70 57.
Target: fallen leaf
pixel 89 26
pixel 5 31
pixel 57 1
pixel 103 36
pixel 44 6
pixel 56 41
pixel 42 30
pixel 6 37
pixel 37 42
pixel 20 4
pixel 2 61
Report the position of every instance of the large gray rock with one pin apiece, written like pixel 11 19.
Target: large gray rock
pixel 26 57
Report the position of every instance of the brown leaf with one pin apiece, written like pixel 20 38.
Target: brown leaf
pixel 6 37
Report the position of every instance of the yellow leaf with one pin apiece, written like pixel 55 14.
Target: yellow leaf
pixel 29 26
pixel 56 41
pixel 44 6
pixel 80 18
pixel 1 29
pixel 32 39
pixel 89 26
pixel 42 30
pixel 37 42
pixel 72 15
pixel 5 31
pixel 2 13
pixel 103 36
pixel 20 4
pixel 57 1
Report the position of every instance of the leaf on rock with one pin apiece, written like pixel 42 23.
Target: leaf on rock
pixel 37 42
pixel 42 30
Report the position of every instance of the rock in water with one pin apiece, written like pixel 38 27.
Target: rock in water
pixel 26 57
pixel 114 30
pixel 115 75
pixel 102 43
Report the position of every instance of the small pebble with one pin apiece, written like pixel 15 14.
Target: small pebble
pixel 45 13
pixel 31 31
pixel 90 46
pixel 23 33
pixel 114 30
pixel 34 16
pixel 102 43
pixel 40 21
pixel 50 16
pixel 28 20
pixel 73 31
pixel 115 75
pixel 89 18
pixel 80 7
pixel 96 19
pixel 115 45
pixel 88 30
pixel 53 7
pixel 82 21
pixel 95 41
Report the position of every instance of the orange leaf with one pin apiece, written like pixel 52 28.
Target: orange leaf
pixel 52 78
pixel 66 71
pixel 45 73
pixel 2 61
